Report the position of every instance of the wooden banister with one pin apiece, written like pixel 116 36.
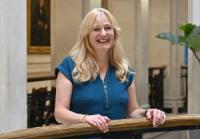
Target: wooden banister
pixel 56 131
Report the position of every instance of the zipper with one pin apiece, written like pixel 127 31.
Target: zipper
pixel 106 93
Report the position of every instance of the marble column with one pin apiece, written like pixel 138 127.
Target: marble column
pixel 141 50
pixel 193 69
pixel 13 96
pixel 174 61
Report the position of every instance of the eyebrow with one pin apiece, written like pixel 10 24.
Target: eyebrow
pixel 107 24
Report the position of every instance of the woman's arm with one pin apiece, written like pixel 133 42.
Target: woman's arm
pixel 63 99
pixel 156 116
pixel 133 109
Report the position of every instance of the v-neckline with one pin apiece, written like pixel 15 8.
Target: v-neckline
pixel 105 76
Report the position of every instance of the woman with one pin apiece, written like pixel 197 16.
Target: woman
pixel 95 84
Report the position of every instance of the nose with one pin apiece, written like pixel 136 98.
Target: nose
pixel 103 31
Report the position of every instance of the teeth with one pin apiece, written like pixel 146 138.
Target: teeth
pixel 102 41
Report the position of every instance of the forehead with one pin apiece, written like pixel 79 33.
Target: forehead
pixel 101 19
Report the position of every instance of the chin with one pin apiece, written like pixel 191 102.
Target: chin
pixel 105 45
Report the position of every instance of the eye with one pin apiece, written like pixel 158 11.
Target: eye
pixel 96 29
pixel 108 28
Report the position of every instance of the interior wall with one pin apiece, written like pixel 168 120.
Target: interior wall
pixel 124 11
pixel 90 4
pixel 166 16
pixel 67 19
pixel 38 64
pixel 159 22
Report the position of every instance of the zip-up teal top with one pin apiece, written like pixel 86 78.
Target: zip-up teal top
pixel 108 98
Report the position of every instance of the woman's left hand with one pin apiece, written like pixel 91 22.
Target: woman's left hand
pixel 156 116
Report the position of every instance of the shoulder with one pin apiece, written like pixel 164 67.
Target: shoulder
pixel 68 60
pixel 131 71
pixel 66 67
pixel 130 75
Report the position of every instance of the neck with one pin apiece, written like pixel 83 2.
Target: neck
pixel 102 58
pixel 103 67
pixel 103 62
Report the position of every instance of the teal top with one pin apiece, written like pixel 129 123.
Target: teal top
pixel 108 97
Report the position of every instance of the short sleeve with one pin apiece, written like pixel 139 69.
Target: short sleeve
pixel 66 67
pixel 130 76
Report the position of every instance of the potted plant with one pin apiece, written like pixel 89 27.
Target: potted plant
pixel 190 39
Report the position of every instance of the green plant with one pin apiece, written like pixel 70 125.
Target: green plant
pixel 191 38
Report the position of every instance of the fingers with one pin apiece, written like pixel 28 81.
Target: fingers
pixel 101 122
pixel 106 118
pixel 157 117
pixel 154 118
pixel 148 115
pixel 163 118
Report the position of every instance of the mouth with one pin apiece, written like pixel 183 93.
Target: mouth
pixel 103 41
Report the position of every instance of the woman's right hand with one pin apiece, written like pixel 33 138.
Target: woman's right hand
pixel 99 121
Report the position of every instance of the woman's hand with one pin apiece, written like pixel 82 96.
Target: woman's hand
pixel 156 116
pixel 99 121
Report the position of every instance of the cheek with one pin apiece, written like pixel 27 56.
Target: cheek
pixel 112 37
pixel 91 39
pixel 112 34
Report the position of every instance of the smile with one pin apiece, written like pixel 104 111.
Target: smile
pixel 103 41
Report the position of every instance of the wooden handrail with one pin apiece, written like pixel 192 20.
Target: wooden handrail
pixel 56 131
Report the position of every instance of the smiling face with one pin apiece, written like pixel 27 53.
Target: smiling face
pixel 101 36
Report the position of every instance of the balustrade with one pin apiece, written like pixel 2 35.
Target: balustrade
pixel 133 126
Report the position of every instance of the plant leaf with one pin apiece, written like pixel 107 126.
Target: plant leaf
pixel 193 40
pixel 187 28
pixel 175 39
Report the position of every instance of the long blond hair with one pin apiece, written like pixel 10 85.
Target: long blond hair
pixel 84 56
